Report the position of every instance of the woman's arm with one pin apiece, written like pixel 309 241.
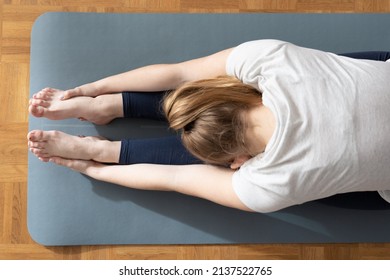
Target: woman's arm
pixel 204 181
pixel 156 77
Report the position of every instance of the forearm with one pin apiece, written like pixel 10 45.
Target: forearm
pixel 136 176
pixel 157 77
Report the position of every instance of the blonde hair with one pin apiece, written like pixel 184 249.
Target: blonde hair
pixel 209 115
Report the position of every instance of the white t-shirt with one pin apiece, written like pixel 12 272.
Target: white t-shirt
pixel 333 124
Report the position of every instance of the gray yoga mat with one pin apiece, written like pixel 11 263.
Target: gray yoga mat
pixel 66 208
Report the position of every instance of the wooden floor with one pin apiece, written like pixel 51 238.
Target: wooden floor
pixel 16 19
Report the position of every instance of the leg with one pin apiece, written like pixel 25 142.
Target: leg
pixel 167 150
pixel 48 144
pixel 48 103
pixel 373 55
pixel 143 105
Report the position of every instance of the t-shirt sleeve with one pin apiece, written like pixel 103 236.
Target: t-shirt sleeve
pixel 245 62
pixel 258 196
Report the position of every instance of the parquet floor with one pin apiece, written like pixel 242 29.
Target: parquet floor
pixel 16 20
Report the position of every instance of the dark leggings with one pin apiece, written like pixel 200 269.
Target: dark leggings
pixel 170 150
pixel 162 150
pixel 380 56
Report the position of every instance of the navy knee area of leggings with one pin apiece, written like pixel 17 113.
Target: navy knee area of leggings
pixel 372 55
pixel 165 150
pixel 143 105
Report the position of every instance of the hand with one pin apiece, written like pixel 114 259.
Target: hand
pixel 85 90
pixel 87 167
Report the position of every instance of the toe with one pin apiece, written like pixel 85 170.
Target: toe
pixel 35 145
pixel 38 95
pixel 44 159
pixel 36 136
pixel 40 102
pixel 45 94
pixel 36 111
pixel 49 90
pixel 41 95
pixel 30 135
pixel 39 152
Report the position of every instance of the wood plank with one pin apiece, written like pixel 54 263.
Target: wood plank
pixel 1 29
pixel 5 213
pixel 14 214
pixel 326 6
pixel 268 6
pixel 13 152
pixel 28 252
pixel 20 233
pixel 372 6
pixel 373 251
pixel 144 252
pixel 269 252
pixel 14 92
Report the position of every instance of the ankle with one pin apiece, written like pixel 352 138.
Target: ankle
pixel 86 147
pixel 105 151
pixel 109 105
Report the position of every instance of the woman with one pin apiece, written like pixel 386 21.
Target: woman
pixel 294 125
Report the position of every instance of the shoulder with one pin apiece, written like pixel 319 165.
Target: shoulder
pixel 247 60
pixel 255 48
pixel 264 43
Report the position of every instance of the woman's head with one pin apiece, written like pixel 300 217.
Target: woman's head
pixel 210 115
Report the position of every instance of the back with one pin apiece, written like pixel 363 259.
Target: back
pixel 332 124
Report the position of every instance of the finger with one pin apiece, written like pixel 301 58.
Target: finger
pixel 74 164
pixel 70 93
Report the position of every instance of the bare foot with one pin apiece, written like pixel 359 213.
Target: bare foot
pixel 49 103
pixel 49 144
